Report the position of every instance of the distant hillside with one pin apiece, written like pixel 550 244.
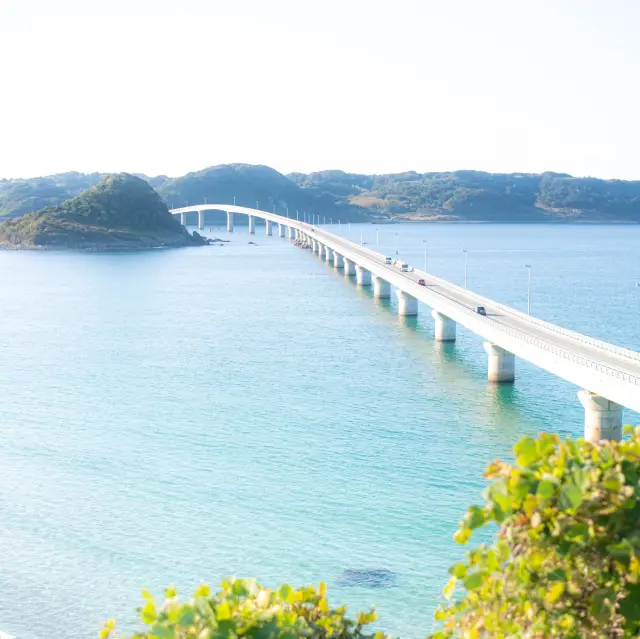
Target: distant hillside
pixel 122 212
pixel 255 183
pixel 20 196
pixel 448 196
pixel 479 196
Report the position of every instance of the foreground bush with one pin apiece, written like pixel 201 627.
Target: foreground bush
pixel 243 608
pixel 566 561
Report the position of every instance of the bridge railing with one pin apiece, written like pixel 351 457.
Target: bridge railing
pixel 538 343
pixel 554 328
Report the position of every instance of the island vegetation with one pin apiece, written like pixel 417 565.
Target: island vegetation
pixel 445 196
pixel 565 562
pixel 122 212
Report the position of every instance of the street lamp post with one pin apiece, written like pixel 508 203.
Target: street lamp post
pixel 205 199
pixel 397 247
pixel 257 207
pixel 528 267
pixel 377 236
pixel 361 238
pixel 466 262
pixel 274 209
pixel 324 219
pixel 330 222
pixel 234 200
pixel 286 208
pixel 425 255
pixel 297 215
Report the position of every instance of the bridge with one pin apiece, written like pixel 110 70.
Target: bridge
pixel 608 374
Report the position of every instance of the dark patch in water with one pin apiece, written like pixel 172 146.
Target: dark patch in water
pixel 368 578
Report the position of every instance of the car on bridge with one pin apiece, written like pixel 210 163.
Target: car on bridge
pixel 481 310
pixel 422 283
pixel 387 260
pixel 404 267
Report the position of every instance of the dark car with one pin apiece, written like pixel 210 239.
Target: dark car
pixel 481 310
pixel 421 282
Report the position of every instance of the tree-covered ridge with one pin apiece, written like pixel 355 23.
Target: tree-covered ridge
pixel 480 196
pixel 20 196
pixel 249 184
pixel 121 211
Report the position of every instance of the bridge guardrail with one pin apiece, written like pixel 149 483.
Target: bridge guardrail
pixel 561 352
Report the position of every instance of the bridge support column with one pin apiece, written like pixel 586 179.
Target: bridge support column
pixel 407 304
pixel 200 220
pixel 315 245
pixel 328 255
pixel 292 233
pixel 363 277
pixel 445 327
pixel 281 229
pixel 230 221
pixel 602 417
pixel 349 267
pixel 338 260
pixel 268 225
pixel 252 225
pixel 381 288
pixel 183 219
pixel 502 364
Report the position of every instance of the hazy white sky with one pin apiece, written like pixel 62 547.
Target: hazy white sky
pixel 371 86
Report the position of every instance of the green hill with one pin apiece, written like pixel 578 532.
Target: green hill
pixel 479 196
pixel 254 183
pixel 121 212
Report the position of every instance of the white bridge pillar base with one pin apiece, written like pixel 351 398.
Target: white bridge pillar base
pixel 281 229
pixel 183 219
pixel 338 260
pixel 316 246
pixel 407 304
pixel 445 327
pixel 602 417
pixel 381 288
pixel 200 220
pixel 291 233
pixel 502 363
pixel 230 221
pixel 321 249
pixel 269 224
pixel 349 267
pixel 363 277
pixel 328 255
pixel 252 224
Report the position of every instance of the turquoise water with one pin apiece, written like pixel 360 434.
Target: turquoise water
pixel 174 417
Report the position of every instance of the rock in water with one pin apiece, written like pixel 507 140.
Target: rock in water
pixel 379 578
pixel 122 212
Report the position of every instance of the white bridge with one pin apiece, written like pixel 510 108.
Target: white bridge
pixel 609 374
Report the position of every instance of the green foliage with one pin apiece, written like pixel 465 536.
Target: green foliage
pixel 121 211
pixel 567 559
pixel 242 608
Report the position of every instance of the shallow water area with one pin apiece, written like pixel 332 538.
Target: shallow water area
pixel 182 415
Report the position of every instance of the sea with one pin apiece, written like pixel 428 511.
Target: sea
pixel 178 416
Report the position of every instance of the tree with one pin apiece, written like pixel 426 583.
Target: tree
pixel 566 562
pixel 243 608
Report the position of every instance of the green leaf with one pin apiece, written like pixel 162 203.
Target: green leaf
pixel 458 570
pixel 570 496
pixel 223 611
pixel 546 490
pixel 555 592
pixel 474 580
pixel 622 550
pixel 475 518
pixel 526 451
pixel 148 613
pixel 286 593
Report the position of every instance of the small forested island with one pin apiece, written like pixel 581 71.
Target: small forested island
pixel 121 212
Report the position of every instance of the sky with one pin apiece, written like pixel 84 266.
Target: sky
pixel 366 86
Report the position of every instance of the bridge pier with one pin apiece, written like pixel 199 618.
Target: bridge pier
pixel 268 224
pixel 381 288
pixel 291 232
pixel 183 219
pixel 349 267
pixel 363 277
pixel 328 255
pixel 445 327
pixel 407 304
pixel 230 221
pixel 338 260
pixel 252 224
pixel 281 229
pixel 602 417
pixel 321 249
pixel 315 246
pixel 502 363
pixel 200 220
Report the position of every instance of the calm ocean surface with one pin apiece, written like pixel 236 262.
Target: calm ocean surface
pixel 179 416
